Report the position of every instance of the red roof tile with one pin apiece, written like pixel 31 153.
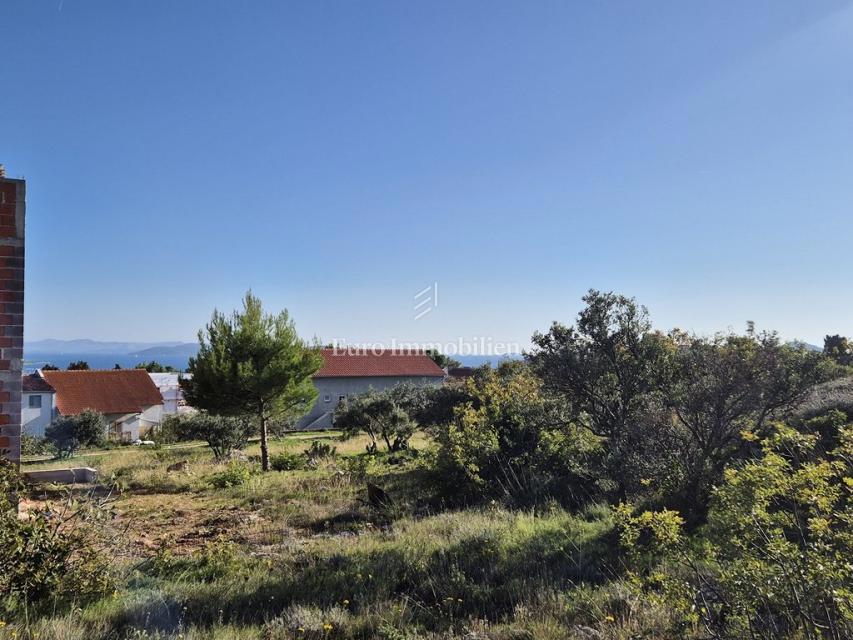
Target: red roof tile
pixel 348 363
pixel 118 391
pixel 34 383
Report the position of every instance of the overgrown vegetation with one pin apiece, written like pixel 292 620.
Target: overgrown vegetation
pixel 618 483
pixel 254 366
pixel 223 434
pixel 68 434
pixel 52 559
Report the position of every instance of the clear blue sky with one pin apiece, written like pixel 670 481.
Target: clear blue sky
pixel 338 157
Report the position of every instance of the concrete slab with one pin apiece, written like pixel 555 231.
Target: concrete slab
pixel 74 475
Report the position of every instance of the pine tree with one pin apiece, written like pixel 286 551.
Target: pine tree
pixel 253 364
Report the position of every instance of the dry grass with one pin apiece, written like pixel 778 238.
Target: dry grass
pixel 300 554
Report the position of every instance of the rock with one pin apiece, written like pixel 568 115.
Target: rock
pixel 378 497
pixel 586 633
pixel 183 465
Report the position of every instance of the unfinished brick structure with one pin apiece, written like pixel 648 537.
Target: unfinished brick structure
pixel 12 209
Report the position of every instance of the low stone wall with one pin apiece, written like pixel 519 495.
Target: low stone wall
pixel 76 475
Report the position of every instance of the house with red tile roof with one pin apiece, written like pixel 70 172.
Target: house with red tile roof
pixel 350 371
pixel 128 398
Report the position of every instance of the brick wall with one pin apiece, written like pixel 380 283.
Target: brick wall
pixel 12 209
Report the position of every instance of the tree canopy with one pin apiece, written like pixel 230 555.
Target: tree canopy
pixel 252 363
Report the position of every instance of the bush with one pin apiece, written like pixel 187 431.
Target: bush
pixel 36 446
pixel 780 530
pixel 381 415
pixel 320 451
pixel 360 467
pixel 172 429
pixel 287 461
pixel 507 440
pixel 234 475
pixel 45 557
pixel 773 560
pixel 87 429
pixel 222 434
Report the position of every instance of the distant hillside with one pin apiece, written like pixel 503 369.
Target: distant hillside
pixel 106 355
pixel 181 350
pixel 478 361
pixel 84 345
pixel 805 345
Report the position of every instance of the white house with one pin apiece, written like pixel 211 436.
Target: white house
pixel 38 404
pixel 128 398
pixel 170 389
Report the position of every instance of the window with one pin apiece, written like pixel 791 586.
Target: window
pixel 341 398
pixel 327 398
pixel 35 402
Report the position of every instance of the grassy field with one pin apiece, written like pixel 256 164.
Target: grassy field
pixel 302 554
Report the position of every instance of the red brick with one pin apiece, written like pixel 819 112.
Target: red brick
pixel 4 442
pixel 4 365
pixel 4 419
pixel 8 232
pixel 5 396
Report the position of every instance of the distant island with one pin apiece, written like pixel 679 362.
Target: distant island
pixel 106 355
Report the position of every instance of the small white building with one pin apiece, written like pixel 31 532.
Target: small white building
pixel 38 405
pixel 170 388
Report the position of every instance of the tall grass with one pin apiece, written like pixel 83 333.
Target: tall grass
pixel 301 554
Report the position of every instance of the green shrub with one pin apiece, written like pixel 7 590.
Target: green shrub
pixel 359 467
pixel 222 434
pixel 382 415
pixel 509 440
pixel 36 446
pixel 773 560
pixel 781 531
pixel 287 461
pixel 46 557
pixel 171 429
pixel 320 451
pixel 235 474
pixel 86 429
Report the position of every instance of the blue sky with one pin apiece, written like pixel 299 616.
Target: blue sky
pixel 338 157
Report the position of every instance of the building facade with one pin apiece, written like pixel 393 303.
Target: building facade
pixel 38 405
pixel 170 388
pixel 346 373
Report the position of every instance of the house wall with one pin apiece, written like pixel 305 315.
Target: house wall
pixel 12 210
pixel 150 419
pixel 170 389
pixel 320 416
pixel 35 421
pixel 133 426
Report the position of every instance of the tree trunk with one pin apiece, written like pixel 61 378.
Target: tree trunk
pixel 265 452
